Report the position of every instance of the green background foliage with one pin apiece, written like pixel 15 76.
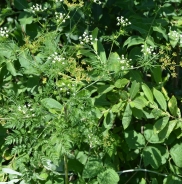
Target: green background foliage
pixel 90 91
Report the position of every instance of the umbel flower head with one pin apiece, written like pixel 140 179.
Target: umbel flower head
pixel 87 39
pixel 4 32
pixel 37 8
pixel 122 22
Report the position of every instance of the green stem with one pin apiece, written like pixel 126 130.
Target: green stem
pixel 66 169
pixel 144 170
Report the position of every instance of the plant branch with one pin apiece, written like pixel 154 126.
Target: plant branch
pixel 143 170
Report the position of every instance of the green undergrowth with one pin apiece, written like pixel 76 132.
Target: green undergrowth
pixel 90 92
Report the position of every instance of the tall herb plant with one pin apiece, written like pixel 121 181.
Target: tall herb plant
pixel 90 91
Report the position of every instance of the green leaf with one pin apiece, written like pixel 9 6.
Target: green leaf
pixel 175 169
pixel 172 180
pixel 50 103
pixel 148 93
pixel 154 181
pixel 20 4
pixel 105 89
pixel 108 120
pixel 137 113
pixel 134 89
pixel 109 176
pixel 43 176
pixel 172 105
pixel 170 127
pixel 150 41
pixel 152 156
pixel 92 168
pixel 134 140
pixel 161 30
pixel 82 157
pixel 155 155
pixel 160 99
pixel 25 18
pixel 152 136
pixel 143 181
pixel 139 102
pixel 11 171
pixel 157 74
pixel 133 40
pixel 25 59
pixel 127 117
pixel 101 52
pixel 10 67
pixel 176 154
pixel 94 35
pixel 120 83
pixel 113 62
pixel 160 124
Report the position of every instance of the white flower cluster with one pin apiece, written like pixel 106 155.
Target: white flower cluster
pixel 58 1
pixel 56 58
pixel 61 16
pixel 26 110
pixel 97 1
pixel 86 39
pixel 67 88
pixel 38 8
pixel 4 32
pixel 92 140
pixel 148 50
pixel 125 63
pixel 122 22
pixel 176 35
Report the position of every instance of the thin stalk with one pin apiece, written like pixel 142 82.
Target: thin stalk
pixel 144 170
pixel 66 169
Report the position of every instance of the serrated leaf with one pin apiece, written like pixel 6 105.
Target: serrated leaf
pixel 109 176
pixel 176 154
pixel 120 83
pixel 160 99
pixel 50 103
pixel 134 89
pixel 127 117
pixel 134 139
pixel 133 40
pixel 172 105
pixel 148 93
pixel 92 168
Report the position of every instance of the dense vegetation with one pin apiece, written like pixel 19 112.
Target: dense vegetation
pixel 90 91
